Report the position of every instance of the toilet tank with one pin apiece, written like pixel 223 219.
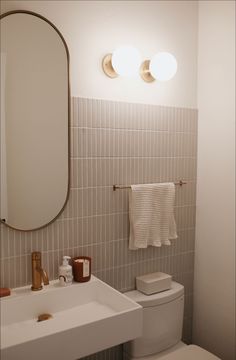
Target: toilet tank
pixel 162 321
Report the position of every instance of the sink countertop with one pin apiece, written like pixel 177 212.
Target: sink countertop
pixel 79 312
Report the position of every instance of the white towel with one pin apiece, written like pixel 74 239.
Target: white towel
pixel 151 213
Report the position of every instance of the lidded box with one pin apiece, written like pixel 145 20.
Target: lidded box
pixel 153 283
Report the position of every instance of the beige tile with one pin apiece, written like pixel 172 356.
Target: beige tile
pixel 116 143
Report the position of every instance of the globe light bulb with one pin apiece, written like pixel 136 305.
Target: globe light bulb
pixel 163 66
pixel 126 61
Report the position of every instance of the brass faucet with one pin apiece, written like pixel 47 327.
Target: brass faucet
pixel 38 274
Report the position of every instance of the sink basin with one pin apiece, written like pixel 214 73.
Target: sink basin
pixel 85 318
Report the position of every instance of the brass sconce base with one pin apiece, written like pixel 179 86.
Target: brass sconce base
pixel 145 73
pixel 107 66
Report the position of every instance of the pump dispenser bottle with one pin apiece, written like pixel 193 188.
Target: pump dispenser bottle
pixel 65 272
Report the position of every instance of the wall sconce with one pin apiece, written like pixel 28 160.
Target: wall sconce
pixel 162 67
pixel 126 61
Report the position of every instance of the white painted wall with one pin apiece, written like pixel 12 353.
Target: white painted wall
pixel 95 28
pixel 214 299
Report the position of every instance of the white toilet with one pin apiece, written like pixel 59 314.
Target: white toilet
pixel 162 328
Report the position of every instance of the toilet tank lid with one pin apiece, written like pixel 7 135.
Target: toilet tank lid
pixel 163 297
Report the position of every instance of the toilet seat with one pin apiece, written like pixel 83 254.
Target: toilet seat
pixel 192 352
pixel 187 352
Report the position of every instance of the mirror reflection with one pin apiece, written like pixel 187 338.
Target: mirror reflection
pixel 34 121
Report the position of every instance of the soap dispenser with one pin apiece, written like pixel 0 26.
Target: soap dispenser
pixel 65 272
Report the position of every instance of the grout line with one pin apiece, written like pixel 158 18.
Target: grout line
pixel 100 157
pixel 113 214
pixel 45 252
pixel 143 130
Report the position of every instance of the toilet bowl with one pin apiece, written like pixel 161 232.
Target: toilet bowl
pixel 162 328
pixel 156 356
pixel 190 352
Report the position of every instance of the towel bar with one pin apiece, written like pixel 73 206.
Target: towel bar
pixel 117 187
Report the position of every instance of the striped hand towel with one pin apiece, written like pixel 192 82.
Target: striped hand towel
pixel 151 213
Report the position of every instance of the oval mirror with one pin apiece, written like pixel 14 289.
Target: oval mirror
pixel 34 121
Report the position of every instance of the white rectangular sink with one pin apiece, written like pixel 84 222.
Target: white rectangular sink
pixel 86 318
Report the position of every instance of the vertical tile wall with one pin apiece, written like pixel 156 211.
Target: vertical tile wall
pixel 116 143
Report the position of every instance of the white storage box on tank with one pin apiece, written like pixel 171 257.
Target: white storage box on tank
pixel 162 321
pixel 153 283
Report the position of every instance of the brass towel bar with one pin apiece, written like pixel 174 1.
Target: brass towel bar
pixel 117 187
